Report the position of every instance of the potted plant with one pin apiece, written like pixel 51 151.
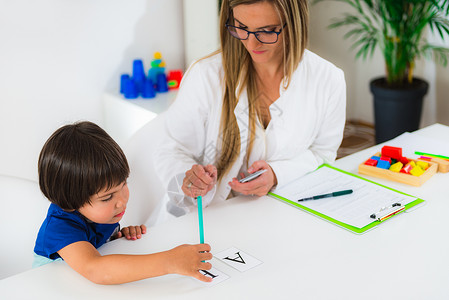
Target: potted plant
pixel 398 29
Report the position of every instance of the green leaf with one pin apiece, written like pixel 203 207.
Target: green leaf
pixel 397 28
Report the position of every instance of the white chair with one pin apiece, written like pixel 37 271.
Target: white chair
pixel 145 188
pixel 24 208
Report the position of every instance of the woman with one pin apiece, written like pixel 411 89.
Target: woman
pixel 261 102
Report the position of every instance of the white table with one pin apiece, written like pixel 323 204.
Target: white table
pixel 303 256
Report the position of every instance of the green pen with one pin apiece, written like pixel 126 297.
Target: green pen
pixel 334 194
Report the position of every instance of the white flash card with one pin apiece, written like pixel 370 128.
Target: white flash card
pixel 238 259
pixel 216 275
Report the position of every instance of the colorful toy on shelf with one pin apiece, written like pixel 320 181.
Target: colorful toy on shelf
pixel 174 79
pixel 157 67
pixel 148 86
pixel 390 164
pixel 148 89
pixel 128 87
pixel 161 83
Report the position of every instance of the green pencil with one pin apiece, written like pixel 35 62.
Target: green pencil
pixel 432 155
pixel 200 218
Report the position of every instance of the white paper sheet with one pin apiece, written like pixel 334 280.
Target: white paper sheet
pixel 353 209
pixel 413 142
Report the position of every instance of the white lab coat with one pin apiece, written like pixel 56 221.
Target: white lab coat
pixel 305 130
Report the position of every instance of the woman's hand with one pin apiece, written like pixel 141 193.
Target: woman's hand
pixel 259 186
pixel 199 180
pixel 131 232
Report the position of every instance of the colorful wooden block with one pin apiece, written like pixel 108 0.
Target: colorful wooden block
pixel 396 167
pixel 383 164
pixel 403 160
pixel 371 162
pixel 417 171
pixel 407 168
pixel 393 152
pixel 401 176
pixel 386 158
pixel 422 164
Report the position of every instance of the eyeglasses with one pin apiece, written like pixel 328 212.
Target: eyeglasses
pixel 265 37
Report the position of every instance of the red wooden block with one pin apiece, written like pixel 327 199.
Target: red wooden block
pixel 371 162
pixel 386 158
pixel 393 152
pixel 404 160
pixel 407 168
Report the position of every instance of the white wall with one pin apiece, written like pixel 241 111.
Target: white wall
pixel 57 57
pixel 330 45
pixel 200 28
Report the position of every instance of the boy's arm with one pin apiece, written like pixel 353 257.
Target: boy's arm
pixel 117 268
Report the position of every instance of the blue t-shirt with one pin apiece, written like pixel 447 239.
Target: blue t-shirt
pixel 61 228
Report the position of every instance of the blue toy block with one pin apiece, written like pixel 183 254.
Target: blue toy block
pixel 375 158
pixel 130 89
pixel 148 89
pixel 154 72
pixel 161 84
pixel 138 71
pixel 138 75
pixel 383 164
pixel 123 79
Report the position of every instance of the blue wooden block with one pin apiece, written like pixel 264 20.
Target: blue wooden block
pixel 383 164
pixel 375 158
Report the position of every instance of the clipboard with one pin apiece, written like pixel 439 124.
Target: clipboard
pixel 354 229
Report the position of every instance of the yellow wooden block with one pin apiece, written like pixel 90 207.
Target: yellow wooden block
pixel 422 164
pixel 417 171
pixel 412 163
pixel 396 167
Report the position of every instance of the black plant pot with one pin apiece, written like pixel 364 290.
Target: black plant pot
pixel 397 110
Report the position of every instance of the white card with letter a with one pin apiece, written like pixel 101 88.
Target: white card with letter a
pixel 238 259
pixel 216 275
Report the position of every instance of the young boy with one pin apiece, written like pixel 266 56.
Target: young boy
pixel 83 172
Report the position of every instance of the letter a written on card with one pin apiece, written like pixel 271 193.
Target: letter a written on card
pixel 216 275
pixel 238 259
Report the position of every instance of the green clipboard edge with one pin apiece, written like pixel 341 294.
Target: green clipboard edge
pixel 339 223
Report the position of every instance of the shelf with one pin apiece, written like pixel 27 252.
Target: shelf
pixel 124 117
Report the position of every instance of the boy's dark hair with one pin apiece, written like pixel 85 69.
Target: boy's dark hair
pixel 78 161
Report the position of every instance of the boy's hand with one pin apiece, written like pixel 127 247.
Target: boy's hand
pixel 188 260
pixel 132 232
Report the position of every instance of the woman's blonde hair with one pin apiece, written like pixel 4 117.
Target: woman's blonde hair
pixel 239 71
